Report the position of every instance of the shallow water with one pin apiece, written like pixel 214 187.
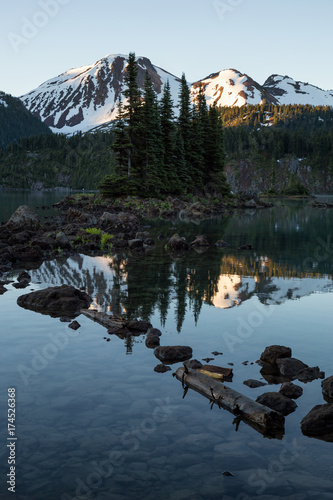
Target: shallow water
pixel 94 421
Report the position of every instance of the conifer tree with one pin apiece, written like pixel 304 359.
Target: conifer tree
pixel 168 129
pixel 215 156
pixel 184 123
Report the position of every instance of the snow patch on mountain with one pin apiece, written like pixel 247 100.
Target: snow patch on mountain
pixel 289 91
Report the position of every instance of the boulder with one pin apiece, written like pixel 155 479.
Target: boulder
pixel 62 241
pixel 139 326
pixel 200 241
pixel 173 354
pixel 193 364
pixel 21 238
pixel 253 384
pixel 108 221
pixel 24 217
pixel 152 339
pixel 177 243
pixel 162 368
pixel 221 244
pixel 78 217
pixel 24 276
pixel 274 352
pixel 289 367
pixel 247 246
pixel 319 422
pixel 277 402
pixel 291 390
pixel 3 289
pixel 43 242
pixel 135 244
pixel 327 389
pixel 309 374
pixel 74 325
pixel 56 301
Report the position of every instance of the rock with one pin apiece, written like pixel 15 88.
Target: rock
pixel 139 326
pixel 327 389
pixel 208 360
pixel 142 235
pixel 152 340
pixel 56 301
pixel 21 284
pixel 253 383
pixel 74 325
pixel 3 289
pixel 21 238
pixel 217 353
pixel 274 352
pixel 108 221
pixel 291 390
pixel 221 244
pixel 43 242
pixel 24 276
pixel 129 221
pixel 162 368
pixel 62 241
pixel 78 217
pixel 277 402
pixel 246 247
pixel 24 217
pixel 227 473
pixel 193 364
pixel 289 367
pixel 176 243
pixel 309 374
pixel 25 253
pixel 200 241
pixel 250 204
pixel 173 354
pixel 149 242
pixel 136 243
pixel 319 421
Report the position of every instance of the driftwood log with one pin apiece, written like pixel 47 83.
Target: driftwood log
pixel 268 422
pixel 105 319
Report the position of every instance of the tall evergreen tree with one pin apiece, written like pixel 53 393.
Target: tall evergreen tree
pixel 168 128
pixel 184 123
pixel 215 156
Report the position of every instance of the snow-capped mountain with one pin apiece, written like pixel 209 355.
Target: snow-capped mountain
pixel 287 91
pixel 85 98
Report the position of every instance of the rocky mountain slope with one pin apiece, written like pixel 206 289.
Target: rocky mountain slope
pixel 84 98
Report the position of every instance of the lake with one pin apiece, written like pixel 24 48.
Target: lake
pixel 93 419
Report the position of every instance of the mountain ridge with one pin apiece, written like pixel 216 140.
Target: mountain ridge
pixel 84 98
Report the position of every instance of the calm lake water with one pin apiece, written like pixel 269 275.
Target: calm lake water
pixel 94 421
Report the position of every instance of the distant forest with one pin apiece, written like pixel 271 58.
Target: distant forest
pixel 150 152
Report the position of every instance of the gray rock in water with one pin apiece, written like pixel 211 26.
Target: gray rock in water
pixel 309 374
pixel 200 241
pixel 277 402
pixel 319 422
pixel 152 340
pixel 291 390
pixel 289 367
pixel 162 368
pixel 327 389
pixel 173 354
pixel 254 383
pixel 56 301
pixel 274 352
pixel 139 326
pixel 25 217
pixel 193 364
pixel 74 325
pixel 177 243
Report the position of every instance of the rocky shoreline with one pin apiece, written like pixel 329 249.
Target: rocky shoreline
pixel 89 225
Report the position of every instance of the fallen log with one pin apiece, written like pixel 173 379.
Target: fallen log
pixel 268 422
pixel 105 319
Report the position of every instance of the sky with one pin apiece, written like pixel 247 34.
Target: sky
pixel 42 38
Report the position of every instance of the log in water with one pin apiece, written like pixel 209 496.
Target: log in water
pixel 260 417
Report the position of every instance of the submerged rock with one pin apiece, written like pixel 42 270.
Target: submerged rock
pixel 319 422
pixel 56 301
pixel 291 390
pixel 254 383
pixel 138 326
pixel 327 389
pixel 153 338
pixel 74 325
pixel 162 368
pixel 193 364
pixel 173 354
pixel 200 241
pixel 277 402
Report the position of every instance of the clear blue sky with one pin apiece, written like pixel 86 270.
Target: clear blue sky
pixel 257 37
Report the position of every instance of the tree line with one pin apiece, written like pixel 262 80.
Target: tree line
pixel 158 154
